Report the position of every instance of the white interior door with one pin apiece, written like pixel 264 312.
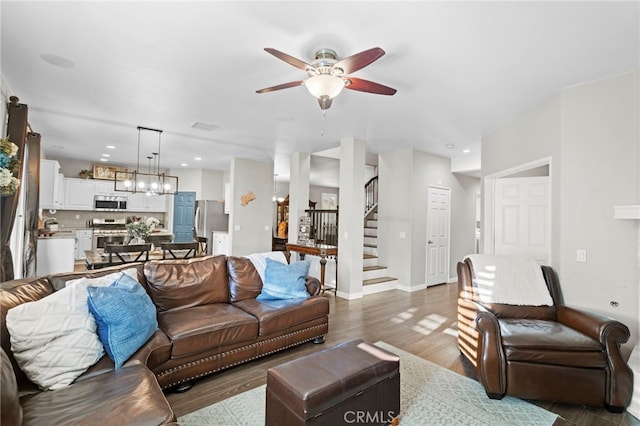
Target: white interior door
pixel 522 217
pixel 438 214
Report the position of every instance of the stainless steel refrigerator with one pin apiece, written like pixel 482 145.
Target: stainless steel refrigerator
pixel 209 217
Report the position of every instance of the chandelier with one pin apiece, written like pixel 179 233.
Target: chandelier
pixel 153 182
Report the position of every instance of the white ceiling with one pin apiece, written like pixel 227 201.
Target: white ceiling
pixel 461 70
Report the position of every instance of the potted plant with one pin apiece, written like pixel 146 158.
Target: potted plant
pixel 9 166
pixel 138 231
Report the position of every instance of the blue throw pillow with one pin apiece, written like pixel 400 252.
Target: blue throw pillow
pixel 282 281
pixel 125 315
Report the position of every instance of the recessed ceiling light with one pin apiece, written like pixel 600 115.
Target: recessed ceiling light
pixel 57 61
pixel 197 158
pixel 204 126
pixel 111 147
pixel 466 151
pixel 184 164
pixel 103 159
pixel 449 146
pixel 106 155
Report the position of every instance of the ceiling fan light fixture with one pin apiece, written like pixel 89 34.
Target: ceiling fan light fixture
pixel 321 86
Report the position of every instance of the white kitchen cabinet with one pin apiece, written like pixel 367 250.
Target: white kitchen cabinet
pixel 140 202
pixel 78 194
pixel 51 185
pixel 105 187
pixel 83 242
pixel 55 255
pixel 220 242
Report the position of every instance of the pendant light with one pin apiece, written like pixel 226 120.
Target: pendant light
pixel 151 183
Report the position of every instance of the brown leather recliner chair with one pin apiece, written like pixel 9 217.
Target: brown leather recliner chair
pixel 549 353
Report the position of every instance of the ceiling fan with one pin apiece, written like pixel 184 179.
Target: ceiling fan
pixel 328 75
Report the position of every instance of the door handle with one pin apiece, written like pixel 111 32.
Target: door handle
pixel 430 242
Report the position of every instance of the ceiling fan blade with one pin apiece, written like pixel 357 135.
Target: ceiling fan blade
pixel 289 59
pixel 368 86
pixel 281 86
pixel 360 60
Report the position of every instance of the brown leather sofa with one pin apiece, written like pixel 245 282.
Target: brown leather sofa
pixel 549 353
pixel 209 320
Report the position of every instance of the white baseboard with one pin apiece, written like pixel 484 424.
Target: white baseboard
pixel 410 289
pixel 348 296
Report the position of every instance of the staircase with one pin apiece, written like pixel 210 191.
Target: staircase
pixel 374 276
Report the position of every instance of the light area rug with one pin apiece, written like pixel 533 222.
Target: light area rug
pixel 429 395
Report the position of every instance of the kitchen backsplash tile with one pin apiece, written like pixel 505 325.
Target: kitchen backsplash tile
pixel 75 219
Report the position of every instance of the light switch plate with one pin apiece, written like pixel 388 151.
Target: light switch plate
pixel 581 255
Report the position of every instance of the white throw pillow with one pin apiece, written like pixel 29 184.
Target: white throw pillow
pixel 54 339
pixel 259 260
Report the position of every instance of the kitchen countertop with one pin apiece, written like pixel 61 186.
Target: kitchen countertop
pixel 58 235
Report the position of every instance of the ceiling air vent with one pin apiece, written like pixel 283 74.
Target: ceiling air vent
pixel 204 126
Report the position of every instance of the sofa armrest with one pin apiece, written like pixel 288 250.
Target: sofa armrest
pixel 611 334
pixel 491 359
pixel 313 286
pixel 603 328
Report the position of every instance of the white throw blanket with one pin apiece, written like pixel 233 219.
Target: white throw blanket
pixel 259 260
pixel 510 280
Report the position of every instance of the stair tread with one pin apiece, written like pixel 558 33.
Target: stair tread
pixel 378 280
pixel 369 256
pixel 370 245
pixel 373 268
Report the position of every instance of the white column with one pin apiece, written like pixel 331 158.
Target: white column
pixel 299 168
pixel 351 217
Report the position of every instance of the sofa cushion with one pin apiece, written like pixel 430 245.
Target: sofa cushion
pixel 279 315
pixel 10 408
pixel 259 260
pixel 54 339
pixel 15 293
pixel 205 327
pixel 125 315
pixel 129 396
pixel 244 280
pixel 185 283
pixel 282 281
pixel 550 342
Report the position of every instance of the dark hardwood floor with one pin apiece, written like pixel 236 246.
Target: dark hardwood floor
pixel 422 323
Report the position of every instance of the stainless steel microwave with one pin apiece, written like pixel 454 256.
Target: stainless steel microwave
pixel 109 203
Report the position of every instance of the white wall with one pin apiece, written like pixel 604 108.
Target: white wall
pixel 600 169
pixel 207 184
pixel 250 226
pixel 212 185
pixel 403 209
pixel 395 214
pixel 590 132
pixel 533 135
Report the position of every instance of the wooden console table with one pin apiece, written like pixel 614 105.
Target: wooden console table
pixel 321 250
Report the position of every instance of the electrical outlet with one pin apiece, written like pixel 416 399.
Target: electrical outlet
pixel 581 255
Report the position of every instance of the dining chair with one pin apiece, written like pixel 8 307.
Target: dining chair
pixel 202 245
pixel 129 250
pixel 179 250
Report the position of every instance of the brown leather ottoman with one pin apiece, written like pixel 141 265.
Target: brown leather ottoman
pixel 351 383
